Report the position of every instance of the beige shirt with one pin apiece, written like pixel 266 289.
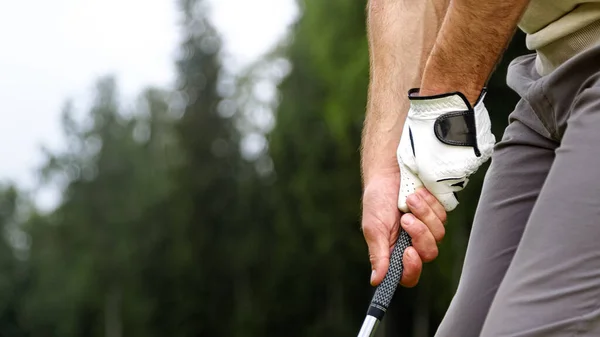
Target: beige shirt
pixel 559 29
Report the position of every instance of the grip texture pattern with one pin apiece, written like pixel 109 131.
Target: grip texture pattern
pixel 385 291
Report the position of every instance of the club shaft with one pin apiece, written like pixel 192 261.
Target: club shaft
pixel 369 327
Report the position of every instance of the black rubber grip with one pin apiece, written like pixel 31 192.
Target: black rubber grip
pixel 385 291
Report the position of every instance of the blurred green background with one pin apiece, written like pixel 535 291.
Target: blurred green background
pixel 214 209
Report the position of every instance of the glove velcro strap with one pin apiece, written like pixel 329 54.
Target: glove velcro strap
pixel 457 125
pixel 458 129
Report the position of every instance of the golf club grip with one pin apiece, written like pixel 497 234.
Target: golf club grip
pixel 385 291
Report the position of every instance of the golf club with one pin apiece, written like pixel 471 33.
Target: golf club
pixel 385 291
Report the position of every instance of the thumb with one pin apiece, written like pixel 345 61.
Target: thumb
pixel 380 224
pixel 377 235
pixel 379 255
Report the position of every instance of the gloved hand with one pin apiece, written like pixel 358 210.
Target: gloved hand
pixel 444 141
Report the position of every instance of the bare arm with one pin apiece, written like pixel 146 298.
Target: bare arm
pixel 472 39
pixel 444 45
pixel 401 34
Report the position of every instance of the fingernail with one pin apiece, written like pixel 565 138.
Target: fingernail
pixel 407 219
pixel 372 276
pixel 413 200
pixel 411 253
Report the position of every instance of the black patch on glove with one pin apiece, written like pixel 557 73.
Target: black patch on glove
pixel 457 129
pixel 412 143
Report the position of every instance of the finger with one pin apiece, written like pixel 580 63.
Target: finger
pixel 422 211
pixel 412 268
pixel 378 241
pixel 435 205
pixel 422 239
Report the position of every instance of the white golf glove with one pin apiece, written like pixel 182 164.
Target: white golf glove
pixel 444 141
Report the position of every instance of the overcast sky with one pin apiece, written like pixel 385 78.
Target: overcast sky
pixel 54 50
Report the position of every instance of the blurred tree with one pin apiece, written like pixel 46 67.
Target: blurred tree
pixel 13 276
pixel 146 240
pixel 86 255
pixel 202 277
pixel 314 146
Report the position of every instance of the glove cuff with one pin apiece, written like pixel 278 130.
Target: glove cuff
pixel 447 98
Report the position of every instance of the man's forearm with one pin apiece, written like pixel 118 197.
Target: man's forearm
pixel 401 35
pixel 471 41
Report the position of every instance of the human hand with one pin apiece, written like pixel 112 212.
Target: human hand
pixel 381 222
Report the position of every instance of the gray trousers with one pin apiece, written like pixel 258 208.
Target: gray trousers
pixel 532 266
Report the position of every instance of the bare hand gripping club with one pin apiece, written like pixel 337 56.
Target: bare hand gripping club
pixel 385 291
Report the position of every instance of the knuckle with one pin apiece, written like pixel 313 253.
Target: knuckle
pixel 410 277
pixel 372 229
pixel 422 215
pixel 435 203
pixel 377 260
pixel 431 220
pixel 429 254
pixel 367 228
pixel 417 230
pixel 424 233
pixel 424 212
pixel 444 217
pixel 373 258
pixel 409 283
pixel 440 234
pixel 430 198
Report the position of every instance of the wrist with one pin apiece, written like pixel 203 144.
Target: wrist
pixel 380 140
pixel 437 83
pixel 471 94
pixel 380 170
